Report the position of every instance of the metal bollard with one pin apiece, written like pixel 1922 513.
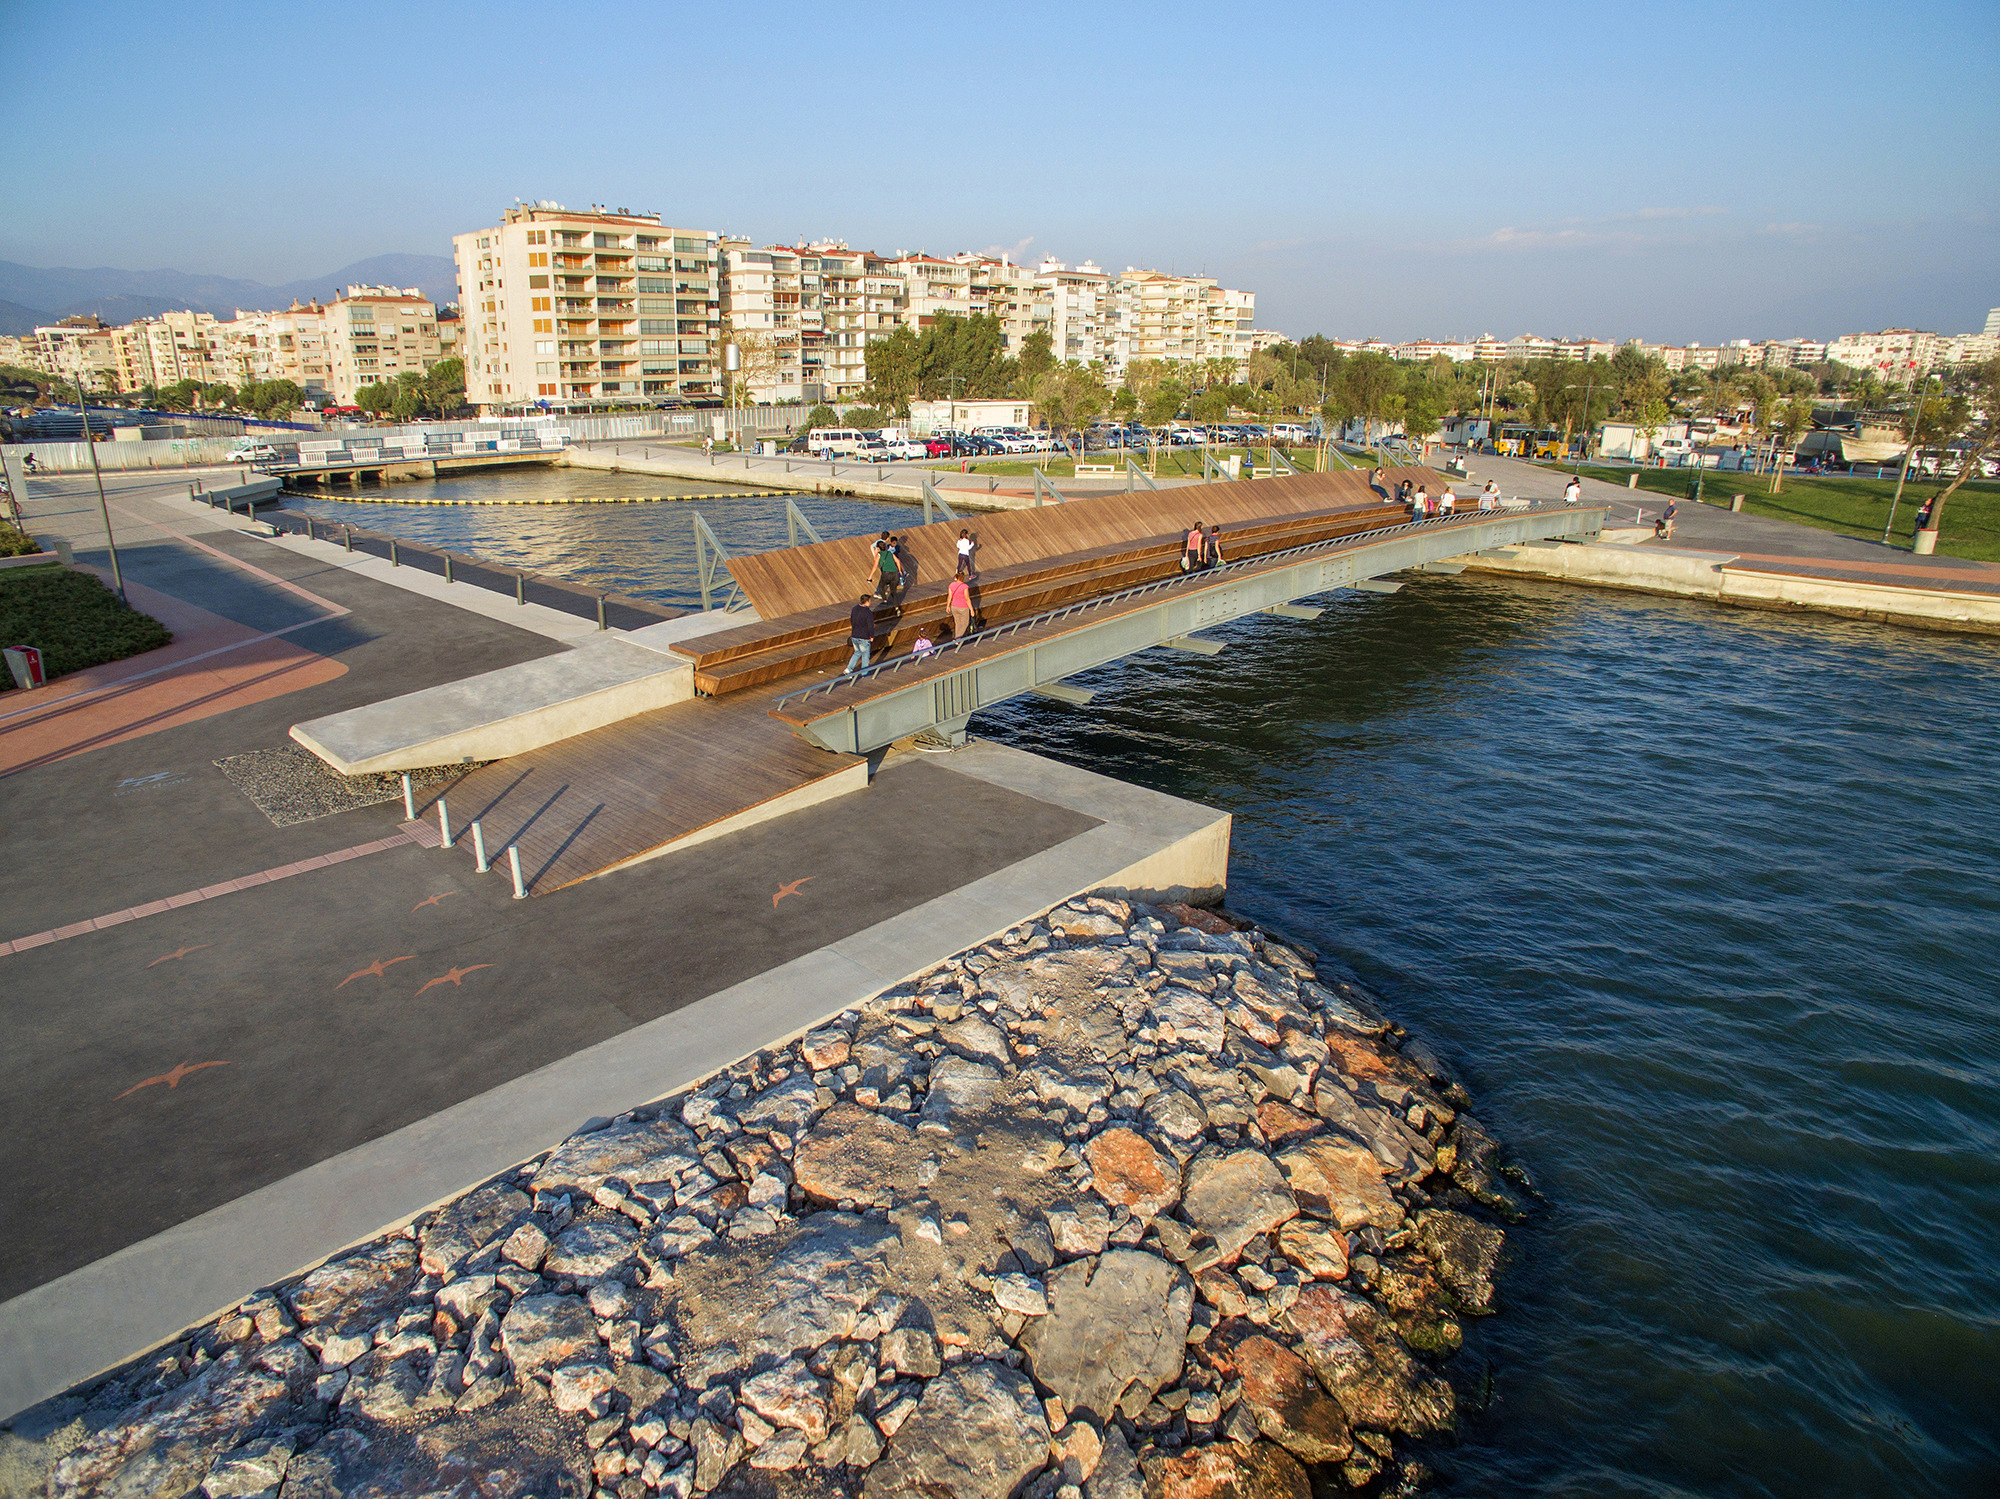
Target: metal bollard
pixel 447 566
pixel 311 535
pixel 478 849
pixel 600 613
pixel 520 588
pixel 409 802
pixel 1632 479
pixel 349 530
pixel 394 560
pixel 444 825
pixel 514 863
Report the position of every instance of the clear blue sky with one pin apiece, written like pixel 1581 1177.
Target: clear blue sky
pixel 1667 171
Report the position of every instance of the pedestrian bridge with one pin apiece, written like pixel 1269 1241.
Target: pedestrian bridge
pixel 768 723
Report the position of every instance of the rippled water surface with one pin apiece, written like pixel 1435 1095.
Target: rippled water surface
pixel 1705 906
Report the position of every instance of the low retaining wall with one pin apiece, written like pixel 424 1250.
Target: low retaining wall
pixel 1693 574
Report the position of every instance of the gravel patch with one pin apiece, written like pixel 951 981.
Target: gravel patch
pixel 290 786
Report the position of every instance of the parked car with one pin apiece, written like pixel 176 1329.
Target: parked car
pixel 937 446
pixel 255 452
pixel 827 442
pixel 907 447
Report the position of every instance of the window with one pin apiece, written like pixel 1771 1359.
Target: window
pixel 686 246
pixel 656 346
pixel 538 237
pixel 546 367
pixel 655 283
pixel 655 304
pixel 545 325
pixel 485 242
pixel 651 263
pixel 545 346
pixel 545 390
pixel 535 282
pixel 538 304
pixel 656 325
pixel 541 259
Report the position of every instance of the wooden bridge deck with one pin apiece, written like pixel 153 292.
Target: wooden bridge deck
pixel 599 800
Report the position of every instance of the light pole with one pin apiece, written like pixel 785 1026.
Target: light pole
pixel 103 509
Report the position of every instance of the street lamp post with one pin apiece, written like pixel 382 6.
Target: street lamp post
pixel 1916 432
pixel 103 509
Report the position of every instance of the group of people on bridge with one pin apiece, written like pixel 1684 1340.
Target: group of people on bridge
pixel 891 573
pixel 1422 503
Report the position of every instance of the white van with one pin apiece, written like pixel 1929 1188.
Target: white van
pixel 828 442
pixel 1289 432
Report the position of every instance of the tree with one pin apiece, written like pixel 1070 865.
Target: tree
pixel 1421 412
pixel 864 416
pixel 892 369
pixel 375 398
pixel 822 415
pixel 407 398
pixel 180 395
pixel 1037 358
pixel 1125 403
pixel 963 356
pixel 1163 402
pixel 1209 406
pixel 758 365
pixel 1651 415
pixel 444 386
pixel 218 394
pixel 1068 395
pixel 1369 386
pixel 1794 419
pixel 1978 422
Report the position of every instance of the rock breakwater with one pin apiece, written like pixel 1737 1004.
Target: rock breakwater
pixel 1129 1202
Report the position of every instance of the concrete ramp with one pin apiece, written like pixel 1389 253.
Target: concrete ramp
pixel 602 680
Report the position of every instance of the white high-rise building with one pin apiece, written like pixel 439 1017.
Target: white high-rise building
pixel 587 309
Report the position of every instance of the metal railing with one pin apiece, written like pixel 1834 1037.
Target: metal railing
pixel 999 632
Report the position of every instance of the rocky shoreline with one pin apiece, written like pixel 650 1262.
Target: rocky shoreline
pixel 1128 1202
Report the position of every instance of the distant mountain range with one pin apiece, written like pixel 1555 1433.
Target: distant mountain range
pixel 32 295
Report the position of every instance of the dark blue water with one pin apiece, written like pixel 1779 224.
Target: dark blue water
pixel 1705 907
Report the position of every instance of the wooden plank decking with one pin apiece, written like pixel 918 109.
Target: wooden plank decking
pixel 601 799
pixel 796 580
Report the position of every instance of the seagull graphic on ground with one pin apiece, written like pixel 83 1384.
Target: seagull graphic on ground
pixel 454 978
pixel 181 953
pixel 432 901
pixel 374 970
pixel 791 889
pixel 171 1079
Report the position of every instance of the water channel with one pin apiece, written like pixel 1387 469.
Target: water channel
pixel 1705 906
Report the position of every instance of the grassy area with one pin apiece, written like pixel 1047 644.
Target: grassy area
pixel 1174 463
pixel 1853 507
pixel 74 619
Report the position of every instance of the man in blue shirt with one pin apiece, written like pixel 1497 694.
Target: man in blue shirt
pixel 861 630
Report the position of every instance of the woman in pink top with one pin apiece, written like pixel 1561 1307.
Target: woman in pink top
pixel 958 598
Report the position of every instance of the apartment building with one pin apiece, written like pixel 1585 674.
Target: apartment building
pixel 1084 313
pixel 79 346
pixel 1897 355
pixel 763 313
pixel 374 334
pixel 1180 318
pixel 586 308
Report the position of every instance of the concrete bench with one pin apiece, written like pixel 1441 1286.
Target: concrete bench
pixel 603 679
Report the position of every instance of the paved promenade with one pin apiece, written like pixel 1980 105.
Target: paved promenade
pixel 236 1045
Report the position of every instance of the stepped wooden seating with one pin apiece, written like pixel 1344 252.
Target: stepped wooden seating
pixel 817 638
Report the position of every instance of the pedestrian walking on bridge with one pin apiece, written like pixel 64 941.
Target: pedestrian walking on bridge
pixel 958 599
pixel 861 634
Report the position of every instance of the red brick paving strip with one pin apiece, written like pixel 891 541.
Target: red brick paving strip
pixel 207 892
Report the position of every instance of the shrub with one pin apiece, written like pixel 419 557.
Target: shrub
pixel 15 543
pixel 73 618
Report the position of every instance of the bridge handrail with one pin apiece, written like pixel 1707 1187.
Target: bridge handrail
pixel 997 632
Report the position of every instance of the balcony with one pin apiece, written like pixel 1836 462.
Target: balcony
pixel 607 306
pixel 574 304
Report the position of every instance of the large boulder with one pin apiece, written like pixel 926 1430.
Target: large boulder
pixel 164 1446
pixel 1232 1196
pixel 636 1151
pixel 959 1089
pixel 1466 1253
pixel 1279 1390
pixel 541 1331
pixel 978 1433
pixel 1227 1470
pixel 854 1155
pixel 354 1293
pixel 463 1227
pixel 1115 1334
pixel 1364 1365
pixel 1128 1172
pixel 788 1106
pixel 1188 1021
pixel 1339 1179
pixel 592 1249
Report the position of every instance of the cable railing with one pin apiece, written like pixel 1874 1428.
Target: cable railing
pixel 1001 632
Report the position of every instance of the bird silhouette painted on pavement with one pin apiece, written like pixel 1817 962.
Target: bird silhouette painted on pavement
pixel 181 953
pixel 374 970
pixel 171 1079
pixel 791 889
pixel 454 978
pixel 432 901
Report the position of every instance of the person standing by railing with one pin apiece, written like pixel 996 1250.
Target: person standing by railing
pixel 1191 551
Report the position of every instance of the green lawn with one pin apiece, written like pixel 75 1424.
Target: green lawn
pixel 74 619
pixel 1853 507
